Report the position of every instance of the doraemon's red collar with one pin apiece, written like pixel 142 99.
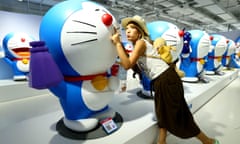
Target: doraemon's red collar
pixel 197 59
pixel 214 57
pixel 83 77
pixel 17 59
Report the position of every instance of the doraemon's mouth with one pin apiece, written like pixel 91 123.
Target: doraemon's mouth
pixel 22 52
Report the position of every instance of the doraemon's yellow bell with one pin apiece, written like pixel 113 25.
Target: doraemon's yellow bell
pixel 99 82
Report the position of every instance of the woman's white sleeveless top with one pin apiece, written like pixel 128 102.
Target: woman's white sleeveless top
pixel 151 63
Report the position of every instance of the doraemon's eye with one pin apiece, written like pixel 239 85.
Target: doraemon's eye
pixel 97 9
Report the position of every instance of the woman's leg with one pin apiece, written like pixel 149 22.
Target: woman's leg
pixel 205 139
pixel 162 136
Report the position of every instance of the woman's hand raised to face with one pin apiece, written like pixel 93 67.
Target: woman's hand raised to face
pixel 116 37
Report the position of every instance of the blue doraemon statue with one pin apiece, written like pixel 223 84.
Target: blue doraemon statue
pixel 170 33
pixel 229 55
pixel 213 65
pixel 196 47
pixel 16 51
pixel 173 37
pixel 73 60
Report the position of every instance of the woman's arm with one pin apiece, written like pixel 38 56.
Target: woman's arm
pixel 125 61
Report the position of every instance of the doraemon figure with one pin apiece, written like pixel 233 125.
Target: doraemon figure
pixel 196 47
pixel 75 63
pixel 170 32
pixel 228 56
pixel 213 66
pixel 173 37
pixel 236 56
pixel 16 51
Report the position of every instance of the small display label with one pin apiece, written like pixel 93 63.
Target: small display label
pixel 109 125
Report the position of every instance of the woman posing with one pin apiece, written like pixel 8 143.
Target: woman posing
pixel 172 111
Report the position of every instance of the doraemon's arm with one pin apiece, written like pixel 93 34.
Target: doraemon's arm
pixel 7 60
pixel 186 45
pixel 44 72
pixel 2 55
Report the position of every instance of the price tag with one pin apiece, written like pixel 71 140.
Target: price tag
pixel 109 125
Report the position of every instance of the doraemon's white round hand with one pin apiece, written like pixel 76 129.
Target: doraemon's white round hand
pixel 22 66
pixel 2 54
pixel 113 83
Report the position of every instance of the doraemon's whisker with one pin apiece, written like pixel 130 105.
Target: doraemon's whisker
pixel 83 32
pixel 83 42
pixel 175 45
pixel 169 40
pixel 171 35
pixel 84 23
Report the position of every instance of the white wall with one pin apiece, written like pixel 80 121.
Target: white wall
pixel 15 22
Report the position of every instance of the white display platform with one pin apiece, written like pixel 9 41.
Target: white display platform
pixel 12 90
pixel 33 119
pixel 197 94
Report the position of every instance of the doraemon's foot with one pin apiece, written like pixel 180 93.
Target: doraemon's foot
pixel 203 79
pixel 209 72
pixel 105 114
pixel 190 79
pixel 144 95
pixel 81 125
pixel 19 78
pixel 219 73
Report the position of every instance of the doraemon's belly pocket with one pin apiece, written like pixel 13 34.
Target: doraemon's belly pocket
pixel 96 99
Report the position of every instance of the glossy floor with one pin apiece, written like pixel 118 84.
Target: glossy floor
pixel 219 118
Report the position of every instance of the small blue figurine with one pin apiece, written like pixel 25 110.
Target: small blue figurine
pixel 17 53
pixel 213 65
pixel 195 49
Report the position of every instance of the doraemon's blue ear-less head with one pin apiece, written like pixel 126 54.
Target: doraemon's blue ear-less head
pixel 16 45
pixel 169 32
pixel 231 47
pixel 200 43
pixel 78 35
pixel 220 44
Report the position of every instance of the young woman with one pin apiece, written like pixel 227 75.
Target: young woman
pixel 172 111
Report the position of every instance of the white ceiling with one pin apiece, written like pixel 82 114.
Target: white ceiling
pixel 209 15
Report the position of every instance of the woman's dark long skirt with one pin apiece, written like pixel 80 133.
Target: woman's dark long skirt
pixel 172 111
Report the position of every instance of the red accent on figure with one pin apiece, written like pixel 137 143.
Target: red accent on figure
pixel 211 38
pixel 17 59
pixel 214 57
pixel 23 39
pixel 107 19
pixel 115 69
pixel 197 59
pixel 227 41
pixel 82 78
pixel 181 33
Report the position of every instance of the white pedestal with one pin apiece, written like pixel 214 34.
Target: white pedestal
pixel 197 94
pixel 32 120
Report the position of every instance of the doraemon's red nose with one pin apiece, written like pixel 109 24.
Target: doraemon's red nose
pixel 211 38
pixel 181 33
pixel 107 19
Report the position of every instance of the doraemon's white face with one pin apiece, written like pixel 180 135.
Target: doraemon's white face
pixel 86 39
pixel 231 47
pixel 172 38
pixel 220 47
pixel 204 45
pixel 18 45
